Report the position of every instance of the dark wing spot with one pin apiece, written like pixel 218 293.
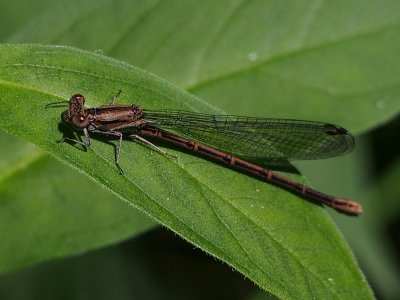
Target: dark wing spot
pixel 334 130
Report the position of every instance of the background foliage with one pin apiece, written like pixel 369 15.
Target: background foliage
pixel 328 61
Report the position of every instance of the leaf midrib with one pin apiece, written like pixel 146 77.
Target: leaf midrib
pixel 245 67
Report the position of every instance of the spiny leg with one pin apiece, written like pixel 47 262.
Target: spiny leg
pixel 118 149
pixel 115 97
pixel 85 144
pixel 144 141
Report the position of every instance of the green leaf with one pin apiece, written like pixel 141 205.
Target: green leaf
pixel 304 54
pixel 368 236
pixel 44 216
pixel 108 222
pixel 317 60
pixel 287 246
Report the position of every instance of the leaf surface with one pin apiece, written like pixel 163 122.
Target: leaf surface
pixel 287 246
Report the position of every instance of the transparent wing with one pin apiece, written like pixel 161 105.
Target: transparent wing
pixel 256 138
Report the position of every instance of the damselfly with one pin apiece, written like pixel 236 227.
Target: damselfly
pixel 234 141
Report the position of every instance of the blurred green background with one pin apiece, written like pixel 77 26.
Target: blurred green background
pixel 345 58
